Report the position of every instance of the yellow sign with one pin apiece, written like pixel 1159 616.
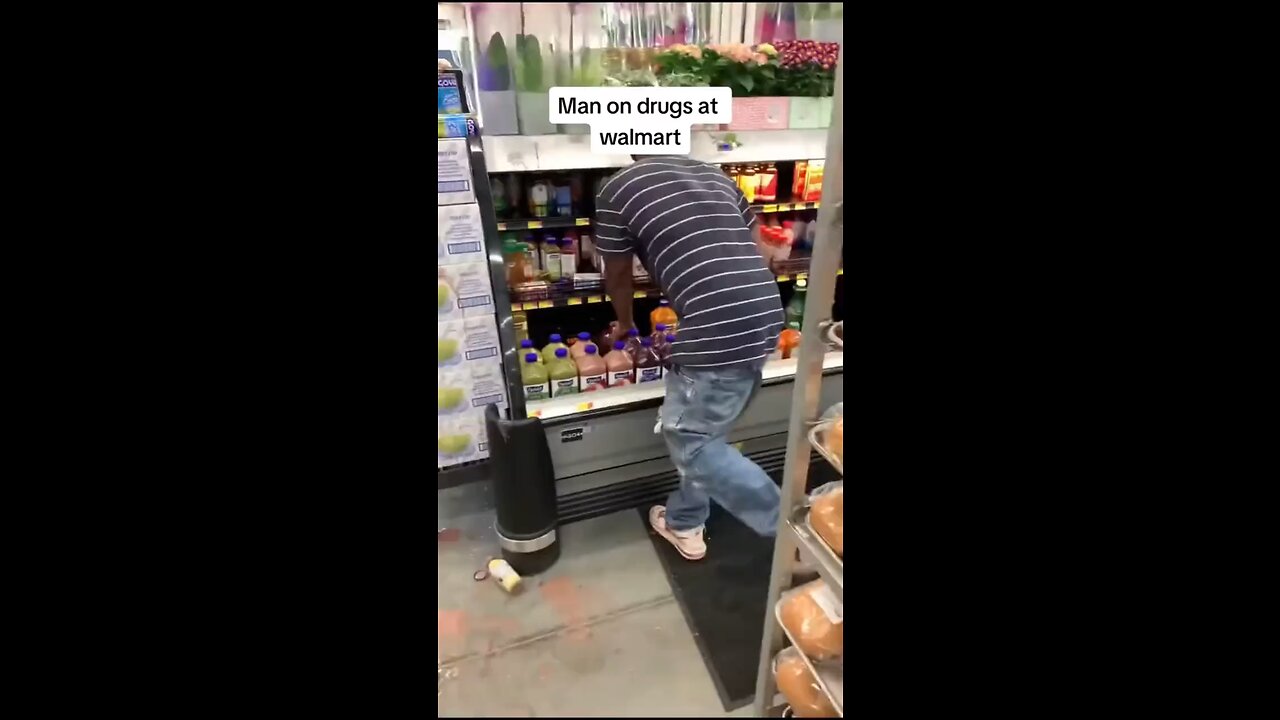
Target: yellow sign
pixel 594 299
pixel 639 294
pixel 783 278
pixel 583 407
pixel 801 276
pixel 535 224
pixel 783 207
pixel 535 413
pixel 583 221
pixel 544 303
pixel 575 301
pixel 770 208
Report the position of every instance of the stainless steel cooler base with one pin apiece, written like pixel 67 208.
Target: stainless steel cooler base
pixel 612 460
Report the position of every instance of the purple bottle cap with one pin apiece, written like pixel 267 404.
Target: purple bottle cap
pixel 647 342
pixel 633 332
pixel 619 345
pixel 561 352
pixel 531 357
pixel 590 350
pixel 526 343
pixel 555 337
pixel 660 327
pixel 671 338
pixel 584 336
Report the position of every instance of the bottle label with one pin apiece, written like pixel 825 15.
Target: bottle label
pixel 649 374
pixel 594 382
pixel 565 386
pixel 536 392
pixel 622 377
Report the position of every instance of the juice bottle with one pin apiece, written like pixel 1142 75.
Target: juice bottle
pixel 619 365
pixel 551 257
pixel 563 373
pixel 540 198
pixel 667 350
pixel 633 343
pixel 569 254
pixel 748 182
pixel 767 182
pixel 562 202
pixel 527 348
pixel 577 349
pixel 788 341
pixel 659 338
pixel 795 308
pixel 549 351
pixel 797 183
pixel 648 365
pixel 665 315
pixel 593 373
pixel 533 375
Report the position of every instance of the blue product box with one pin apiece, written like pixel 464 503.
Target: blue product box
pixel 448 97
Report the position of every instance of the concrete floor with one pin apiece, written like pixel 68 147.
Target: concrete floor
pixel 599 634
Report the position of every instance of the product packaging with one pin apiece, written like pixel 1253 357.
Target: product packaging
pixel 453 174
pixel 453 390
pixel 814 616
pixel 826 514
pixel 470 287
pixel 459 234
pixel 798 685
pixel 813 181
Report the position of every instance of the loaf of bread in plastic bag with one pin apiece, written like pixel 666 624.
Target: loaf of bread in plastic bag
pixel 815 619
pixel 826 514
pixel 799 687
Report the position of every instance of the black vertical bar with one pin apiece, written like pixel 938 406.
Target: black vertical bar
pixel 497 276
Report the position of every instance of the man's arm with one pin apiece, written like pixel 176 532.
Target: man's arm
pixel 617 247
pixel 617 282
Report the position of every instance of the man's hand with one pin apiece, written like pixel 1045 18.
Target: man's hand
pixel 618 332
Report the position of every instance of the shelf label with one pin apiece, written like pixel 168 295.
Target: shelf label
pixel 535 413
pixel 801 276
pixel 582 222
pixel 783 207
pixel 542 304
pixel 584 406
pixel 639 294
pixel 595 299
pixel 502 226
pixel 575 301
pixel 783 278
pixel 770 208
pixel 840 271
pixel 534 224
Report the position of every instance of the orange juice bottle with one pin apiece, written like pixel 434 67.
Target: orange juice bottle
pixel 665 315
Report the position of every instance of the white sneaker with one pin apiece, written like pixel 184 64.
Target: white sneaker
pixel 688 543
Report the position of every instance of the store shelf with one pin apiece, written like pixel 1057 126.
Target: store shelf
pixel 817 438
pixel 617 398
pixel 590 290
pixel 527 153
pixel 816 552
pixel 547 222
pixel 830 674
pixel 786 206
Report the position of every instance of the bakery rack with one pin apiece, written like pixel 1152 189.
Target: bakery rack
pixel 805 433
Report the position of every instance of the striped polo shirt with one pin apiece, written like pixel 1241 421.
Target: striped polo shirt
pixel 691 228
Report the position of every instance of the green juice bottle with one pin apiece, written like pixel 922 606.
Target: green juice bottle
pixel 563 373
pixel 534 377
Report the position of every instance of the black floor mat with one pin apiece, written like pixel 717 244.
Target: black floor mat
pixel 722 597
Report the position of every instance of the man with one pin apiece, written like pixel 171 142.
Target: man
pixel 692 229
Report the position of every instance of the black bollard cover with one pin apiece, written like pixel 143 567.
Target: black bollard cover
pixel 524 491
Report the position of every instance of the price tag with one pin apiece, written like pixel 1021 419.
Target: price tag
pixel 770 208
pixel 595 299
pixel 582 222
pixel 783 278
pixel 544 304
pixel 575 301
pixel 639 294
pixel 529 306
pixel 783 207
pixel 502 226
pixel 534 224
pixel 801 276
pixel 815 205
pixel 583 407
pixel 535 413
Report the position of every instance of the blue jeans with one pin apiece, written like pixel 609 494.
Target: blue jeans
pixel 699 411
